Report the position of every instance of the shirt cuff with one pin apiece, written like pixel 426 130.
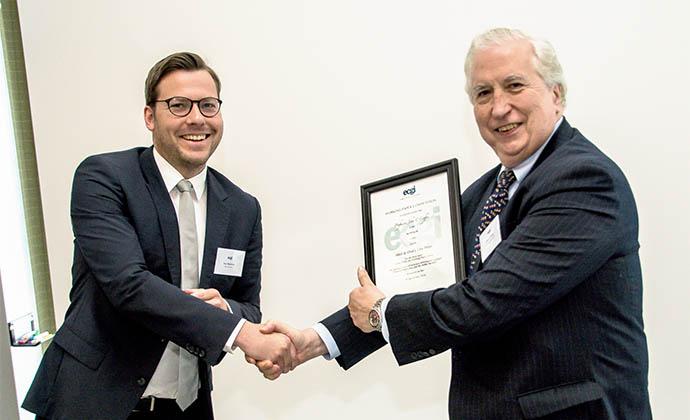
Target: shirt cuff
pixel 227 303
pixel 327 338
pixel 230 345
pixel 384 324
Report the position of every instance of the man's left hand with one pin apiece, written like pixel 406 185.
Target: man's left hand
pixel 362 300
pixel 210 296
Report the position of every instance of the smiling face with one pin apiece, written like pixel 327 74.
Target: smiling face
pixel 514 108
pixel 185 142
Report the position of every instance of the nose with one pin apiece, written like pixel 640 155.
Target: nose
pixel 195 116
pixel 501 104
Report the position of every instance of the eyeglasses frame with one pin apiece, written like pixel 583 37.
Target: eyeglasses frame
pixel 197 102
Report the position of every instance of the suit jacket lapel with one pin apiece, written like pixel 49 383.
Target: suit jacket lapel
pixel 219 212
pixel 166 213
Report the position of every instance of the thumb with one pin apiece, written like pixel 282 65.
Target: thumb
pixel 268 328
pixel 281 327
pixel 363 276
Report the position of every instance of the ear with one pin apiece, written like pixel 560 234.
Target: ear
pixel 149 117
pixel 557 97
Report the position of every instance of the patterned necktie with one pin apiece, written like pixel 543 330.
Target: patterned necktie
pixel 188 380
pixel 493 206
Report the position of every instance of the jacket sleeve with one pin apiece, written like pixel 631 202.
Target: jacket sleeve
pixel 354 345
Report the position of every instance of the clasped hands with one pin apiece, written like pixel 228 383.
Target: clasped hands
pixel 282 347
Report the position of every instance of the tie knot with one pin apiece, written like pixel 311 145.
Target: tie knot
pixel 506 179
pixel 184 186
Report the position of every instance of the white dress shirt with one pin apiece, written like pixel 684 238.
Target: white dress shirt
pixel 163 384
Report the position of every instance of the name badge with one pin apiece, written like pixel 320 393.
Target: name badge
pixel 229 262
pixel 490 238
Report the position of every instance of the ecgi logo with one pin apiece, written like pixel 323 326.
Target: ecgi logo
pixel 410 191
pixel 229 263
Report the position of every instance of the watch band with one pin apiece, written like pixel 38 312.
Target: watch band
pixel 375 316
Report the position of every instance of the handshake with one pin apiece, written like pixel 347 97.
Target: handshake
pixel 276 348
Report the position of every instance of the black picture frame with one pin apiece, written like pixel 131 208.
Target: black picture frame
pixel 450 168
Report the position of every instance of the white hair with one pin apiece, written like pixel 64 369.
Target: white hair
pixel 546 61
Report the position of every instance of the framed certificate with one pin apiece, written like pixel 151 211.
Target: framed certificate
pixel 412 236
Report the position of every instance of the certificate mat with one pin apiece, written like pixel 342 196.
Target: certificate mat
pixel 412 238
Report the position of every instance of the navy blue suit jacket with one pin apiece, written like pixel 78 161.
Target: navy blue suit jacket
pixel 126 304
pixel 550 326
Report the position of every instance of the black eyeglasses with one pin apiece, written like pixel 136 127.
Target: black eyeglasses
pixel 181 106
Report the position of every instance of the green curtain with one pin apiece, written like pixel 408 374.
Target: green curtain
pixel 26 157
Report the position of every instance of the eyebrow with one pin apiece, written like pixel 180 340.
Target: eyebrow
pixel 514 78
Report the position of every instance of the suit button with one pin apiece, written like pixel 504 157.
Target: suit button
pixel 141 381
pixel 432 352
pixel 424 354
pixel 202 353
pixel 189 348
pixel 162 340
pixel 415 355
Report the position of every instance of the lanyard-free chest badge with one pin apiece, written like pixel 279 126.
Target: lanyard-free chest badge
pixel 229 262
pixel 490 238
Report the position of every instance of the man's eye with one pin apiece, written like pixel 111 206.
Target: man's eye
pixel 515 86
pixel 481 95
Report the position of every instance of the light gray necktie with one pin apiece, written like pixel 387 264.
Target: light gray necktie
pixel 188 381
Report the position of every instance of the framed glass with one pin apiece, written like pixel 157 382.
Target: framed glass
pixel 412 233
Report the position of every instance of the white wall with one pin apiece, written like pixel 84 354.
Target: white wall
pixel 322 96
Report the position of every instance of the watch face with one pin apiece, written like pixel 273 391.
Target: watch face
pixel 374 318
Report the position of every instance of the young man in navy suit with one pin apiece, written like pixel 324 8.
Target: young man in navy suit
pixel 138 341
pixel 548 324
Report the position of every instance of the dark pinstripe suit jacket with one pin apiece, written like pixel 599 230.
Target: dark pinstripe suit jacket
pixel 551 325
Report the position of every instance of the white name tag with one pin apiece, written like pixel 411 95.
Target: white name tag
pixel 490 238
pixel 229 262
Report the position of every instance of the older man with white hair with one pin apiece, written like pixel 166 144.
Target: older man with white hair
pixel 548 324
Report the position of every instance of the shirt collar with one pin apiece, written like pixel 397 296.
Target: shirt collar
pixel 525 166
pixel 171 176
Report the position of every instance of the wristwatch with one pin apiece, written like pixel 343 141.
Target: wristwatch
pixel 375 315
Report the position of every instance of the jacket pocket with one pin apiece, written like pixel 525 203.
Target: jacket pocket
pixel 85 352
pixel 540 403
